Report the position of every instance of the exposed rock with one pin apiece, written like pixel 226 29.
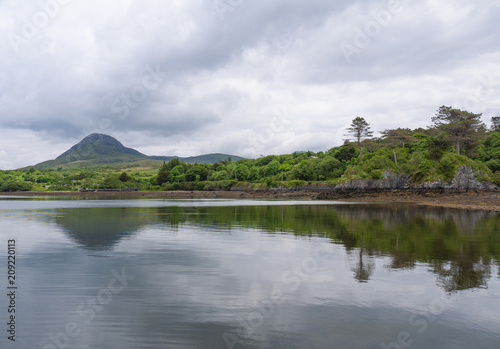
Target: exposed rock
pixel 436 185
pixel 464 180
pixel 391 181
pixel 314 187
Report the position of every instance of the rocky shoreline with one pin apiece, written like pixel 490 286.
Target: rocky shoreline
pixel 463 192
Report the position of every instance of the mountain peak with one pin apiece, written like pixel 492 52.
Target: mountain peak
pixel 99 138
pixel 97 144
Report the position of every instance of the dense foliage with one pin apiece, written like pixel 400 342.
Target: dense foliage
pixel 424 154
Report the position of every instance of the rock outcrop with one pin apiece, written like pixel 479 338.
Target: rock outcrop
pixel 465 180
pixel 390 181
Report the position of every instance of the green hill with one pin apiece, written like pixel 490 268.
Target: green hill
pixel 200 159
pixel 99 150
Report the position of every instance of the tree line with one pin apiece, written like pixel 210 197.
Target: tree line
pixel 455 138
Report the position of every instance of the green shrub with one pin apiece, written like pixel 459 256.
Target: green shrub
pixel 296 183
pixel 447 166
pixel 375 174
pixel 426 165
pixel 170 186
pixel 495 178
pixel 271 183
pixel 380 162
pixel 493 164
pixel 15 186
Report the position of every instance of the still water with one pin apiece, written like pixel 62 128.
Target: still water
pixel 182 274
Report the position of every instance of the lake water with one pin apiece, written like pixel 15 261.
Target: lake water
pixel 156 273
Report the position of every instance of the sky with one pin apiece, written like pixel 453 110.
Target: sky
pixel 248 78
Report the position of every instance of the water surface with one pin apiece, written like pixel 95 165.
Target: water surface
pixel 158 273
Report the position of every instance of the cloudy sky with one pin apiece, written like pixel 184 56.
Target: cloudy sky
pixel 188 77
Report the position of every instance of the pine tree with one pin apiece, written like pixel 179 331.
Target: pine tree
pixel 461 125
pixel 360 129
pixel 495 124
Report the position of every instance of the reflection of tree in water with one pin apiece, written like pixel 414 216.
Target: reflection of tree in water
pixel 171 216
pixel 460 245
pixel 408 234
pixel 364 268
pixel 463 275
pixel 468 270
pixel 401 259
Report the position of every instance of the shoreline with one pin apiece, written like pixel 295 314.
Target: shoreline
pixel 487 201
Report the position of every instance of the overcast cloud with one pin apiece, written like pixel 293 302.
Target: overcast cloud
pixel 189 77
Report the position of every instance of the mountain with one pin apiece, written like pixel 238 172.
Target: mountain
pixel 96 145
pixel 103 150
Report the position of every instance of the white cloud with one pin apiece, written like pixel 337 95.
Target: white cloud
pixel 224 82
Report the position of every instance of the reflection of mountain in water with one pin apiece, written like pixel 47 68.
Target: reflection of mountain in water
pixel 459 245
pixel 100 228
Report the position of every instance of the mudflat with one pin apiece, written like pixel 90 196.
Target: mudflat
pixel 489 201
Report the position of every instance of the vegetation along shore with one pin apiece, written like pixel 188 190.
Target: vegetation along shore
pixel 457 156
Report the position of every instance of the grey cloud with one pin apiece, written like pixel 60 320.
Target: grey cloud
pixel 64 81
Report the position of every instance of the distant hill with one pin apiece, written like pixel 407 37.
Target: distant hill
pixel 200 159
pixel 103 151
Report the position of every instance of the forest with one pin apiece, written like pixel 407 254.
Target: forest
pixel 455 138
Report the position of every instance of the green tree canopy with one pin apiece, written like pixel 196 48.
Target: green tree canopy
pixel 172 163
pixel 197 173
pixel 124 177
pixel 461 125
pixel 398 136
pixel 163 173
pixel 272 168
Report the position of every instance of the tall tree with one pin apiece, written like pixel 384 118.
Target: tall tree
pixel 163 173
pixel 495 124
pixel 461 125
pixel 394 137
pixel 360 129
